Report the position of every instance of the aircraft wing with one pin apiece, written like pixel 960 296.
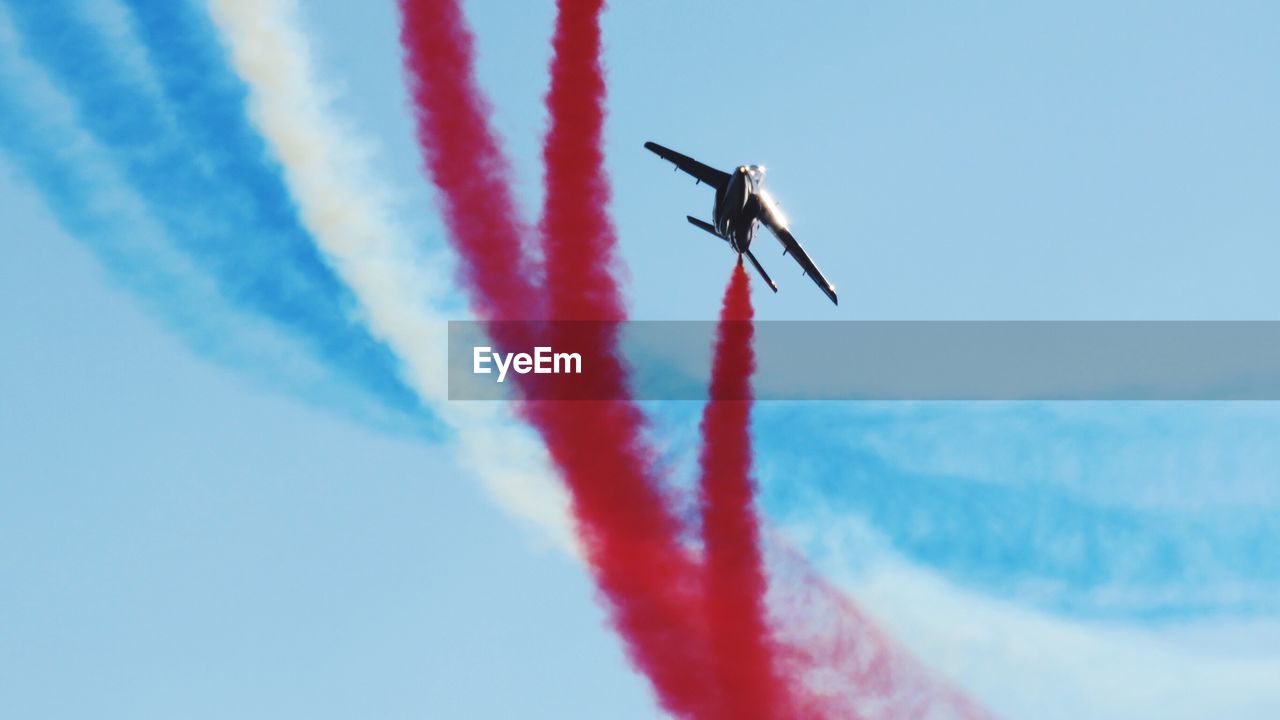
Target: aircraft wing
pixel 704 173
pixel 772 217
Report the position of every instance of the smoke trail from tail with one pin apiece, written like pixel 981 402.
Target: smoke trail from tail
pixel 742 647
pixel 579 245
pixel 630 538
pixel 239 229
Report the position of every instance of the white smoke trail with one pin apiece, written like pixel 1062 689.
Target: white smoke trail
pixel 399 288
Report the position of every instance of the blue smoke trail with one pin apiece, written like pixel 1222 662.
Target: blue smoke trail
pixel 211 189
pixel 84 196
pixel 64 170
pixel 1024 538
pixel 209 101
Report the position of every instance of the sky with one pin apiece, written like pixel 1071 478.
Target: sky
pixel 192 530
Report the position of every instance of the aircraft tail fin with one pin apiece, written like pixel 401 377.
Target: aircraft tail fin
pixel 755 263
pixel 768 281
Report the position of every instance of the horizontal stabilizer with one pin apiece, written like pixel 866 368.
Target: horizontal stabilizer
pixel 704 225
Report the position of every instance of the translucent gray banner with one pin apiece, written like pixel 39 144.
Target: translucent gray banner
pixel 886 360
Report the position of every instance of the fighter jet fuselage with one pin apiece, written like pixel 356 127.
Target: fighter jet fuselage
pixel 737 208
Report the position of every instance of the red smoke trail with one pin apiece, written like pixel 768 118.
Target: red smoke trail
pixel 741 644
pixel 577 235
pixel 464 160
pixel 631 539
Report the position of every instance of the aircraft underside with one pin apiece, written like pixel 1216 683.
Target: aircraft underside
pixel 741 202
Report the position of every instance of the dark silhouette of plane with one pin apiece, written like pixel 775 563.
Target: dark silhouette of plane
pixel 741 202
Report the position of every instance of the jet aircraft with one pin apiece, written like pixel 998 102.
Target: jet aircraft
pixel 742 202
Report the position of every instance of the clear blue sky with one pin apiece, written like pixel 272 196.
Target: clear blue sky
pixel 179 540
